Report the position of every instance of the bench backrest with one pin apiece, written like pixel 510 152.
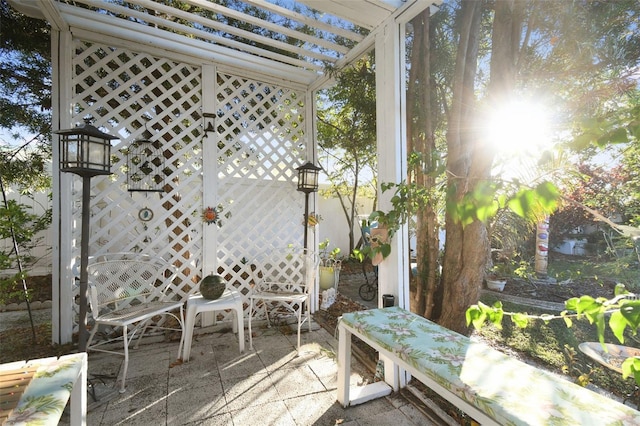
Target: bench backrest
pixel 288 270
pixel 120 283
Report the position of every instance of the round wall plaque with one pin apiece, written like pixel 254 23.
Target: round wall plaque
pixel 145 214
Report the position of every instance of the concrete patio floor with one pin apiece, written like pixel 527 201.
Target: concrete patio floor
pixel 269 385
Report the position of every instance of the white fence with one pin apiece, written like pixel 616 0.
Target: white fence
pixel 42 253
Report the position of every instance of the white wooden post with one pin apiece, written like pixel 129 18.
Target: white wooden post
pixel 392 154
pixel 209 181
pixel 311 130
pixel 62 312
pixel 393 272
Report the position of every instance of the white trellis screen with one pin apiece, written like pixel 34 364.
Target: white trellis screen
pixel 260 136
pixel 260 142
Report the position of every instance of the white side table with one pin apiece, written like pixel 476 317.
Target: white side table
pixel 230 299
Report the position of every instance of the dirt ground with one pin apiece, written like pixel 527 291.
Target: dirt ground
pixel 39 288
pixel 559 292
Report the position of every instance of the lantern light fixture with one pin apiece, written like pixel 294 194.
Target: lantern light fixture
pixel 85 151
pixel 307 183
pixel 308 177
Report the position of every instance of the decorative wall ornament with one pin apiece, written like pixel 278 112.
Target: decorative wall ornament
pixel 313 219
pixel 209 120
pixel 145 167
pixel 210 215
pixel 145 214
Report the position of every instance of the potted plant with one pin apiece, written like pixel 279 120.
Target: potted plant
pixel 497 275
pixel 329 266
pixel 378 231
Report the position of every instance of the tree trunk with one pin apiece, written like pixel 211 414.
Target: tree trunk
pixel 466 246
pixel 421 139
pixel 470 157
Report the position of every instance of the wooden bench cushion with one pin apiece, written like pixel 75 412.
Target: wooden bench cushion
pixel 506 389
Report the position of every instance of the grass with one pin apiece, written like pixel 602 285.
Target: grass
pixel 554 346
pixel 625 270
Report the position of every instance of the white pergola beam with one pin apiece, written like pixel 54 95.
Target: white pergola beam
pixel 94 28
pixel 264 24
pixel 365 13
pixel 217 39
pixel 279 10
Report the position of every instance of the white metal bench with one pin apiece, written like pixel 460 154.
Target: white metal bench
pixel 488 385
pixel 129 290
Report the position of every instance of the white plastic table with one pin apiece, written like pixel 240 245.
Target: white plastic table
pixel 230 299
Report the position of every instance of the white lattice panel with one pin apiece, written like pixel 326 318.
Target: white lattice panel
pixel 260 142
pixel 138 96
pixel 260 145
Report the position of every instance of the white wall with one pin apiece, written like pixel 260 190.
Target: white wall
pixel 334 223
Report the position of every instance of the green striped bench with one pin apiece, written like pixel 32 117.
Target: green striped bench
pixel 488 385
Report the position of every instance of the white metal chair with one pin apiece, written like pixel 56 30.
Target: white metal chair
pixel 128 290
pixel 283 277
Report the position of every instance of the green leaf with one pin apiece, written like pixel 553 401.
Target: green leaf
pixel 634 128
pixel 522 203
pixel 631 366
pixel 600 325
pixel 617 324
pixel 631 312
pixel 548 196
pixel 620 289
pixel 476 315
pixel 520 320
pixel 618 135
pixel 572 304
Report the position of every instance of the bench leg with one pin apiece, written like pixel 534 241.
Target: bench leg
pixel 344 365
pixel 78 407
pixel 392 373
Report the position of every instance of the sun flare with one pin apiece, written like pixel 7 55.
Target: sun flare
pixel 519 128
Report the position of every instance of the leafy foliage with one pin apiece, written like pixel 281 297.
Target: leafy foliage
pixel 347 138
pixel 623 311
pixel 25 73
pixel 25 100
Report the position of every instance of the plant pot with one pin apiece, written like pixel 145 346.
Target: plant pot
pixel 379 236
pixel 496 284
pixel 329 277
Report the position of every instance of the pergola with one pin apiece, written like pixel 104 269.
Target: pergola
pixel 229 111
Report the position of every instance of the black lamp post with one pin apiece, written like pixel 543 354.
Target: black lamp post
pixel 307 183
pixel 85 151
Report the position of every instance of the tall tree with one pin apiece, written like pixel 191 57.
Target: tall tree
pixel 425 170
pixel 467 244
pixel 577 55
pixel 347 135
